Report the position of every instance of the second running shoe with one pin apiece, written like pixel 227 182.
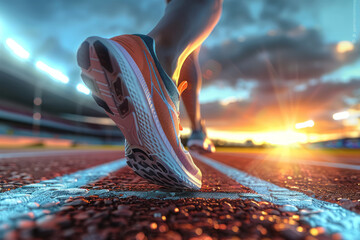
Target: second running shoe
pixel 198 141
pixel 128 82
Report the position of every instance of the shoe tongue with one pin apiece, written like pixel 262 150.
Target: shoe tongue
pixel 168 82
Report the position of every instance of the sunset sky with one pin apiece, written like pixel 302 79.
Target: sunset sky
pixel 267 65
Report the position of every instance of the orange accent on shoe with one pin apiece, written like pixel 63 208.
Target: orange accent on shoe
pixel 182 86
pixel 180 127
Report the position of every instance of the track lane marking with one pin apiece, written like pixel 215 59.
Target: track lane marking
pixel 331 216
pixel 17 203
pixel 169 195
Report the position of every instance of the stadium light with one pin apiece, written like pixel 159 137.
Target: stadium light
pixel 344 46
pixel 83 89
pixel 17 48
pixel 341 115
pixel 56 74
pixel 309 123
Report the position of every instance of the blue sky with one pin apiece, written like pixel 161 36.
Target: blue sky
pixel 289 33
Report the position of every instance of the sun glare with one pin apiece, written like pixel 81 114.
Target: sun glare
pixel 284 138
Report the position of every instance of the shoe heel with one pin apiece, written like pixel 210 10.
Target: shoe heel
pixel 83 55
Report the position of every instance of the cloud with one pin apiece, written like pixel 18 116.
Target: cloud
pixel 246 18
pixel 236 13
pixel 39 10
pixel 53 49
pixel 298 54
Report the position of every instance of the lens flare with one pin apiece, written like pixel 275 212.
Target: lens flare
pixel 56 74
pixel 17 48
pixel 341 115
pixel 306 124
pixel 83 89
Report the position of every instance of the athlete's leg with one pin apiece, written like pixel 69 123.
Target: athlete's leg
pixel 191 73
pixel 182 29
pixel 179 37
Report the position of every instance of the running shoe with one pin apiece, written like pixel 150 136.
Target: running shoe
pixel 198 141
pixel 128 82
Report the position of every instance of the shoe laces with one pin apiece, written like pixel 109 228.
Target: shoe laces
pixel 181 88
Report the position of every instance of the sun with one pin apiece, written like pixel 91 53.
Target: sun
pixel 284 138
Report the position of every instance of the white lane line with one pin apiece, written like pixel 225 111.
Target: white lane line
pixel 332 217
pixel 308 162
pixel 17 204
pixel 166 195
pixel 45 153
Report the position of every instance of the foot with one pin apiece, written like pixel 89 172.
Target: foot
pixel 199 141
pixel 128 82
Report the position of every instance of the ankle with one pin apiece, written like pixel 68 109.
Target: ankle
pixel 198 126
pixel 166 59
pixel 165 53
